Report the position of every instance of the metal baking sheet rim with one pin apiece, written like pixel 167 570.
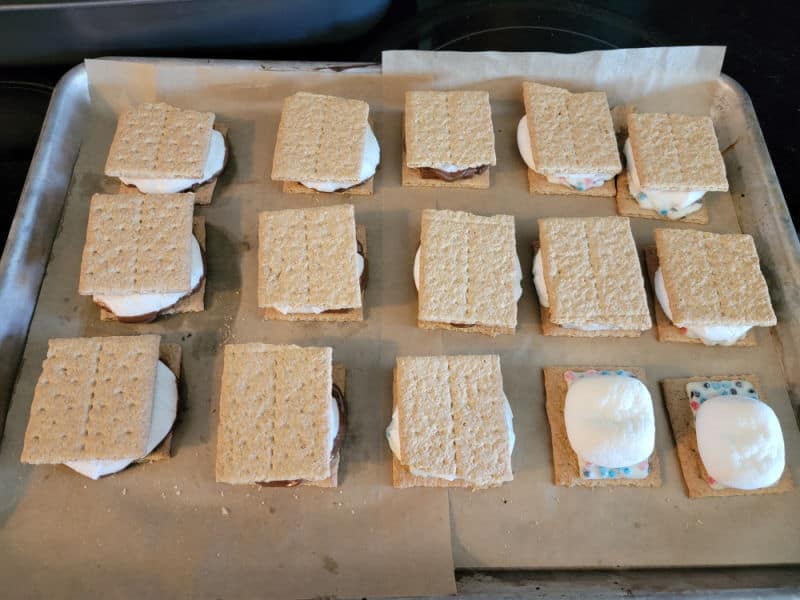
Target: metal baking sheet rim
pixel 761 209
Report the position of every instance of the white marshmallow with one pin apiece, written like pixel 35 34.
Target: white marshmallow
pixel 334 410
pixel 711 335
pixel 134 305
pixel 369 163
pixel 214 164
pixel 609 420
pixel 740 442
pixel 165 406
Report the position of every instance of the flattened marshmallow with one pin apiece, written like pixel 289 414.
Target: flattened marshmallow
pixel 165 407
pixel 369 163
pixel 711 335
pixel 740 442
pixel 214 163
pixel 517 271
pixel 674 205
pixel 136 305
pixel 577 181
pixel 609 420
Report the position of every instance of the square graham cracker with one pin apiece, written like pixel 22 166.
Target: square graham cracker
pixel 93 400
pixel 203 192
pixel 566 471
pixel 665 328
pixel 682 421
pixel 137 244
pixel 538 184
pixel 194 302
pixel 627 206
pixel 593 273
pixel 570 133
pixel 170 355
pixel 735 291
pixel 467 272
pixel 159 141
pixel 451 412
pixel 307 257
pixel 676 152
pixel 274 417
pixel 320 138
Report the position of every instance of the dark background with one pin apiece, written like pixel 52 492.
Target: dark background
pixel 39 41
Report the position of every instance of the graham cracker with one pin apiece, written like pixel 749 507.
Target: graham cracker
pixel 137 244
pixel 451 412
pixel 735 291
pixel 666 329
pixel 362 189
pixel 451 128
pixel 93 400
pixel 566 471
pixel 274 420
pixel 339 379
pixel 203 192
pixel 320 138
pixel 683 429
pixel 676 152
pixel 194 302
pixel 307 257
pixel 160 141
pixel 467 271
pixel 170 355
pixel 538 184
pixel 570 133
pixel 627 206
pixel 593 274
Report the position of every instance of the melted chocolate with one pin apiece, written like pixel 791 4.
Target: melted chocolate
pixel 431 173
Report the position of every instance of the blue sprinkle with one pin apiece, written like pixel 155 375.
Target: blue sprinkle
pixel 604 372
pixel 664 212
pixel 627 470
pixel 620 372
pixel 725 392
pixel 611 473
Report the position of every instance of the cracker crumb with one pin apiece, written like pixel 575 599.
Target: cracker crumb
pixel 352 511
pixel 163 495
pixel 226 511
pixel 124 491
pixel 177 492
pixel 699 522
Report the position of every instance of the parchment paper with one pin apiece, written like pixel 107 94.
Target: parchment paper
pixel 531 523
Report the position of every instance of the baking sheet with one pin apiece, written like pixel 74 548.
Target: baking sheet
pixel 531 523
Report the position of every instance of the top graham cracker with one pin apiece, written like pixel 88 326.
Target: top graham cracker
pixel 449 129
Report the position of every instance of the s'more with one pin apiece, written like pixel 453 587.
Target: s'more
pixel 282 416
pixel 104 403
pixel 448 139
pixel 325 144
pixel 672 161
pixel 728 438
pixel 602 427
pixel 451 424
pixel 143 256
pixel 312 264
pixel 162 149
pixel 589 279
pixel 467 273
pixel 709 288
pixel 568 142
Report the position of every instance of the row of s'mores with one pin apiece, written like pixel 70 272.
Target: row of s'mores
pixel 102 404
pixel 327 144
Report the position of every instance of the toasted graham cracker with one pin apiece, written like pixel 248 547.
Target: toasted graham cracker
pixel 627 206
pixel 467 271
pixel 593 273
pixel 170 355
pixel 308 257
pixel 666 329
pixel 320 138
pixel 735 292
pixel 93 400
pixel 204 192
pixel 682 422
pixel 451 412
pixel 137 244
pixel 412 178
pixel 274 421
pixel 448 129
pixel 566 471
pixel 194 302
pixel 676 152
pixel 341 315
pixel 570 133
pixel 159 141
pixel 538 184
